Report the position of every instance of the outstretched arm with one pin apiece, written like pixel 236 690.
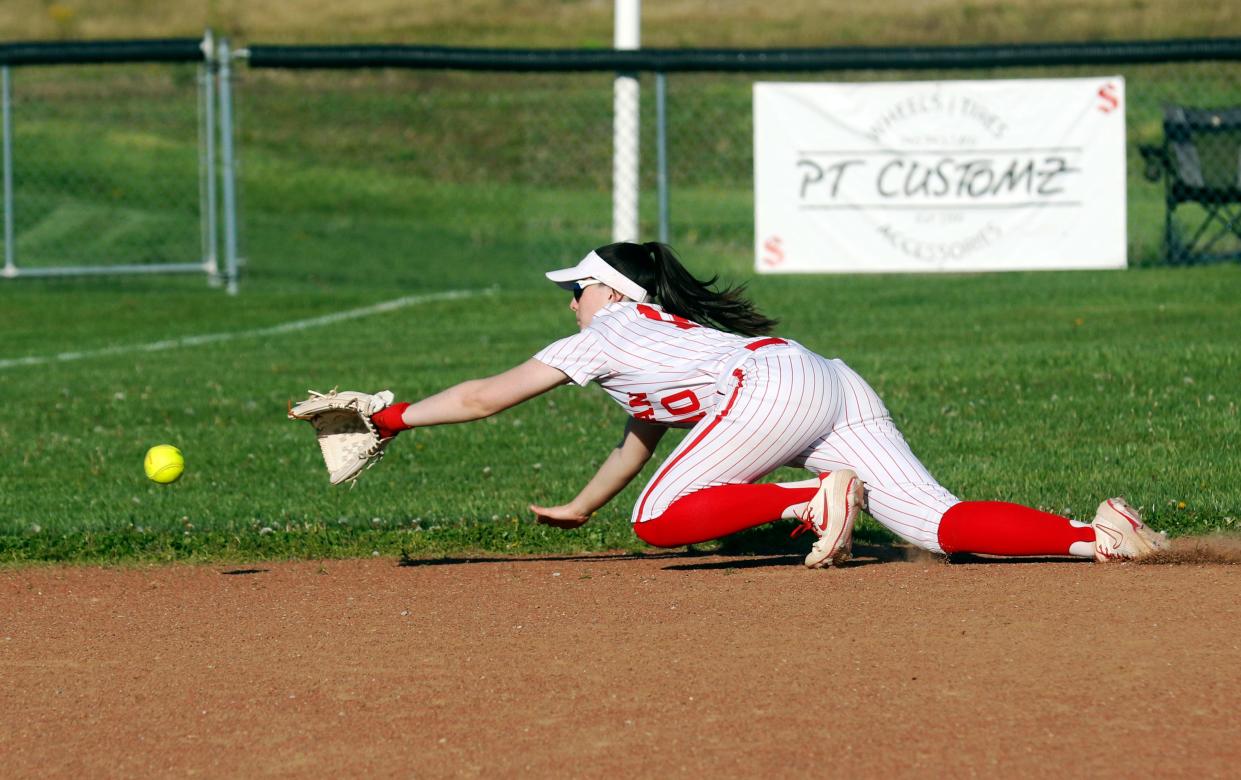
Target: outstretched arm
pixel 621 465
pixel 479 398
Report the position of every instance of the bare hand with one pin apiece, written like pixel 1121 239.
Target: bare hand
pixel 559 516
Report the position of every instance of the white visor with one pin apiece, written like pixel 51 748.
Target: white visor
pixel 595 267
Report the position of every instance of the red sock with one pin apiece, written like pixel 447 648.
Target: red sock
pixel 714 512
pixel 1000 528
pixel 388 420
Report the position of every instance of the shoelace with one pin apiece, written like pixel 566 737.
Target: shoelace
pixel 807 523
pixel 805 526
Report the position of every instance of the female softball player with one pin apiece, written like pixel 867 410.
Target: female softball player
pixel 675 352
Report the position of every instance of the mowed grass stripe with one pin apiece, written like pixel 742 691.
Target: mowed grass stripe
pixel 274 330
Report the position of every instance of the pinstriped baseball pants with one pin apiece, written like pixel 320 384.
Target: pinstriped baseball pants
pixel 786 406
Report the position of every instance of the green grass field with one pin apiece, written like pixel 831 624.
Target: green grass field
pixel 1051 389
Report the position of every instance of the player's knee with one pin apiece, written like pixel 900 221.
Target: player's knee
pixel 672 524
pixel 657 534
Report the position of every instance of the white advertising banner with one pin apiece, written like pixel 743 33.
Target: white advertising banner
pixel 939 175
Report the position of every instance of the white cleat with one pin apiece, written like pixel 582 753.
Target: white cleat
pixel 831 515
pixel 1119 534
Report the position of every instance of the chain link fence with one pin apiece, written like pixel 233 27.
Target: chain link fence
pixel 486 174
pixel 405 170
pixel 104 168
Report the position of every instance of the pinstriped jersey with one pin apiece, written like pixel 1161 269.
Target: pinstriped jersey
pixel 659 367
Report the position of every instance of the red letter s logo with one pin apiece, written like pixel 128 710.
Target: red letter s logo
pixel 1108 100
pixel 773 252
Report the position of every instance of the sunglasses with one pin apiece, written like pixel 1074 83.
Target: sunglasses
pixel 580 286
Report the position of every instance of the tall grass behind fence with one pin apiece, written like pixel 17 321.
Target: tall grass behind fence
pixel 474 177
pixel 539 145
pixel 106 165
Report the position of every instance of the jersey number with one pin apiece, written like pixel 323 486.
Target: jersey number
pixel 677 404
pixel 684 402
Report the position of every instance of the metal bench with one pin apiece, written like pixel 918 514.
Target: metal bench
pixel 1200 163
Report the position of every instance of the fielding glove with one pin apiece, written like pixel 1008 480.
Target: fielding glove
pixel 349 440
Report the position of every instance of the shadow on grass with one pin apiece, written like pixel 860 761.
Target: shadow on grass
pixel 739 562
pixel 863 555
pixel 970 559
pixel 768 545
pixel 407 560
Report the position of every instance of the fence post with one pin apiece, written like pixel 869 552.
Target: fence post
pixel 661 151
pixel 206 162
pixel 229 183
pixel 10 267
pixel 626 128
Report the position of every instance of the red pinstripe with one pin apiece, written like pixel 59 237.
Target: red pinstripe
pixel 702 435
pixel 796 409
pixel 790 396
pixel 904 496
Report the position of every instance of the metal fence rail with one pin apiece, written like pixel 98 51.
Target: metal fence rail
pixel 747 60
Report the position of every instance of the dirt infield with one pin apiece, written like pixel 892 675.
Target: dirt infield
pixel 623 665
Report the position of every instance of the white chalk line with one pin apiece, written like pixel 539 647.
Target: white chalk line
pixel 273 330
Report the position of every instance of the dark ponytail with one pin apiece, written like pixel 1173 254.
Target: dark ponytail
pixel 656 268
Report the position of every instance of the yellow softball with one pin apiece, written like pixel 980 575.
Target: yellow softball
pixel 164 464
